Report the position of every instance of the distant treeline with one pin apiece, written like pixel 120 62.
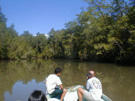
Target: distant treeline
pixel 102 32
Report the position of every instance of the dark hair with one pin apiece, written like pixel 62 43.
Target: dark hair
pixel 57 70
pixel 37 95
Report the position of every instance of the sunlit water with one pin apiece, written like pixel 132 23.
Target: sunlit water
pixel 18 79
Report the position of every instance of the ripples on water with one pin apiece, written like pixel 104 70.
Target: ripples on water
pixel 19 78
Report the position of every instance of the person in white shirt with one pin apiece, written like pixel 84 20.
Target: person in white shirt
pixel 52 81
pixel 93 90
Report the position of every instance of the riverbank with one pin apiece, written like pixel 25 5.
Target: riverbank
pixel 126 63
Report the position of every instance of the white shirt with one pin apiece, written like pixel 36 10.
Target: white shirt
pixel 51 82
pixel 95 87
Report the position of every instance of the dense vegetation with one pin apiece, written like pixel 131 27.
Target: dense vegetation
pixel 103 32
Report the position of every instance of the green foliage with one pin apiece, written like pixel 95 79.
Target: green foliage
pixel 104 32
pixel 47 52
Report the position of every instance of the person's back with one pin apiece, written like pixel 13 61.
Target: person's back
pixel 93 90
pixel 52 81
pixel 94 87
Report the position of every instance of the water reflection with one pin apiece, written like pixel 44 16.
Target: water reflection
pixel 19 78
pixel 21 91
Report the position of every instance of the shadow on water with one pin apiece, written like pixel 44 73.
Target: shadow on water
pixel 19 78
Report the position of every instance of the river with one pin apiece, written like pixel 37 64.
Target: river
pixel 18 79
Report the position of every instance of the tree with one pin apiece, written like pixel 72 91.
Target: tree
pixel 3 32
pixel 40 42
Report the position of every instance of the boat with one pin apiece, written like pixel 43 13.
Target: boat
pixel 71 95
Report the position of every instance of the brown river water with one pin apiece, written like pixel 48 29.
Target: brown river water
pixel 19 78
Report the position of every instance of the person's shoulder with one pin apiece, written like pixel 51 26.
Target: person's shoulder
pixel 96 78
pixel 51 75
pixel 93 78
pixel 57 76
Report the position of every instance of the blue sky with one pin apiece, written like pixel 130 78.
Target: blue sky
pixel 40 15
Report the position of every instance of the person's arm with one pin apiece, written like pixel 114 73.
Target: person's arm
pixel 45 81
pixel 61 86
pixel 59 83
pixel 87 85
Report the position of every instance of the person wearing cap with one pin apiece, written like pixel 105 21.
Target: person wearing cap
pixel 93 90
pixel 52 82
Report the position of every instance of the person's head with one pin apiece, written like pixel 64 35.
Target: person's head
pixel 91 74
pixel 37 95
pixel 57 71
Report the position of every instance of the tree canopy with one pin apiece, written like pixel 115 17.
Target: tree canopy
pixel 103 32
